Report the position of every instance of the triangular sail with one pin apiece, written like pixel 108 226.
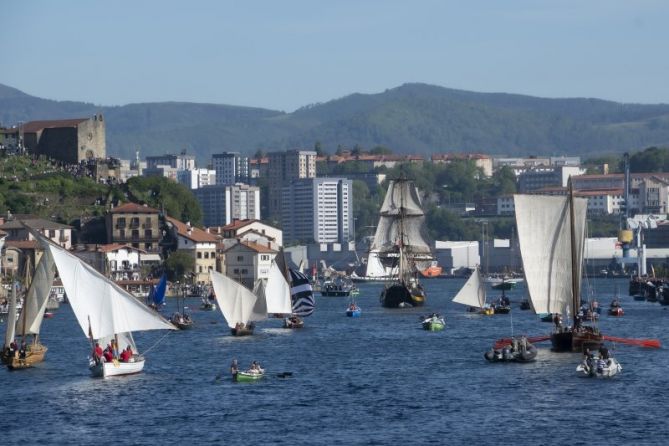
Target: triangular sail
pixel 101 307
pixel 302 294
pixel 158 295
pixel 37 296
pixel 236 302
pixel 10 332
pixel 544 235
pixel 277 292
pixel 472 292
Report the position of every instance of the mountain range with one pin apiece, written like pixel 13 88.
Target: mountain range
pixel 412 118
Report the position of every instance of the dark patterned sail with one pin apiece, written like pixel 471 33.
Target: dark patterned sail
pixel 302 294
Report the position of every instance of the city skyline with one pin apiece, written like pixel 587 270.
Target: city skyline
pixel 288 55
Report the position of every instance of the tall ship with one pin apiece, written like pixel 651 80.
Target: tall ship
pixel 551 233
pixel 400 244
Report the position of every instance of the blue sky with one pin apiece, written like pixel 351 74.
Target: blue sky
pixel 286 54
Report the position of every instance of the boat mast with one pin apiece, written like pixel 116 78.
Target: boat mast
pixel 24 310
pixel 575 289
pixel 401 229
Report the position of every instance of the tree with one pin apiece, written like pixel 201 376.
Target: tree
pixel 178 264
pixel 162 193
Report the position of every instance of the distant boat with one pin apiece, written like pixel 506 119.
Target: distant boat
pixel 434 270
pixel 239 306
pixel 33 311
pixel 473 294
pixel 104 310
pixel 336 288
pixel 433 322
pixel 156 297
pixel 401 245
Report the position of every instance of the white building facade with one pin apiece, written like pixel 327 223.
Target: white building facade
pixel 222 204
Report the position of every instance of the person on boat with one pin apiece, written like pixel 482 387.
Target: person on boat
pixel 97 352
pixel 557 320
pixel 22 350
pixel 603 352
pixel 234 368
pixel 108 353
pixel 13 349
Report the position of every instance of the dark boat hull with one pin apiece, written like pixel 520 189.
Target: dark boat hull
pixel 399 295
pixel 576 341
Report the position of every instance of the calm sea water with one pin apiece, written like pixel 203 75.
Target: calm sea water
pixel 379 379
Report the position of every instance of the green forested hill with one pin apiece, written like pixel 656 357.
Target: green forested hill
pixel 413 118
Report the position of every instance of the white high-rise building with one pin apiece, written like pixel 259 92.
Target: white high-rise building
pixel 231 168
pixel 196 178
pixel 318 210
pixel 222 204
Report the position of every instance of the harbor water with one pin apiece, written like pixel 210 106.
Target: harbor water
pixel 377 379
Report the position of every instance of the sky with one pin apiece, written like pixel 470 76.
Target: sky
pixel 283 55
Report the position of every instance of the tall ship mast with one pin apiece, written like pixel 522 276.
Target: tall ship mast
pixel 401 244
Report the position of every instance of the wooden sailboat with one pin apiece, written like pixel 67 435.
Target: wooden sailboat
pixel 239 306
pixel 473 294
pixel 105 312
pixel 181 319
pixel 32 313
pixel 401 245
pixel 301 292
pixel 551 234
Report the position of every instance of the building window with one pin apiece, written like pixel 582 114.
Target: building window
pixel 199 255
pixel 244 271
pixel 235 271
pixel 240 258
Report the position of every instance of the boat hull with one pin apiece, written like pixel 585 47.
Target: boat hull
pixel 508 355
pixel 576 341
pixel 116 368
pixel 246 331
pixel 244 377
pixel 335 293
pixel 600 368
pixel 34 355
pixel 617 311
pixel 399 295
pixel 354 313
pixel 293 323
pixel 433 325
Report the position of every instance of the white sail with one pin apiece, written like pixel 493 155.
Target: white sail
pixel 37 296
pixel 277 292
pixel 544 235
pixel 374 267
pixel 11 317
pixel 236 302
pixel 401 207
pixel 101 307
pixel 472 292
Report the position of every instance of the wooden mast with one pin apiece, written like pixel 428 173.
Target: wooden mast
pixel 575 289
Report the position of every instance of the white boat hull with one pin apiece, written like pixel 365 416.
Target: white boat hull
pixel 116 368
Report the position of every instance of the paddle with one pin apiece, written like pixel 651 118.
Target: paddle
pixel 649 343
pixel 507 341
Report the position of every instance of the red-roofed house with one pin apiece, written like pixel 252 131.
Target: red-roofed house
pixel 247 262
pixel 200 244
pixel 67 140
pixel 236 228
pixel 134 224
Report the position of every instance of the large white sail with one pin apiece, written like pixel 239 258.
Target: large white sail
pixel 277 292
pixel 101 307
pixel 544 235
pixel 236 302
pixel 472 292
pixel 374 267
pixel 37 296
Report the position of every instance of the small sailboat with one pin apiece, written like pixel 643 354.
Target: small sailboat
pixel 9 349
pixel 156 297
pixel 181 319
pixel 105 311
pixel 301 292
pixel 473 294
pixel 239 306
pixel 32 313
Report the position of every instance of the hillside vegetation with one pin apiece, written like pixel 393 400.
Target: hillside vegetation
pixel 412 118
